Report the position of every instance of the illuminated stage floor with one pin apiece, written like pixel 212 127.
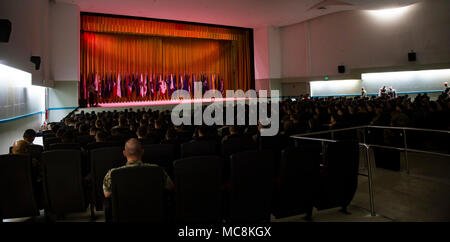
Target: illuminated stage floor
pixel 155 105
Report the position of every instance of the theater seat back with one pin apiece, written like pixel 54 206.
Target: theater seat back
pixel 63 181
pixel 102 160
pixel 64 146
pixel 198 189
pixel 16 187
pixel 137 194
pixel 160 154
pixel 50 140
pixel 251 186
pixel 299 170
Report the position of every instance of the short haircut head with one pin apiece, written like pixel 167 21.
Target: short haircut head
pixel 133 149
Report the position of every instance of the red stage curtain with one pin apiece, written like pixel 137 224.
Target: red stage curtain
pixel 111 45
pixel 121 25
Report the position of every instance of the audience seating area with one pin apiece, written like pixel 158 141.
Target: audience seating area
pixel 233 176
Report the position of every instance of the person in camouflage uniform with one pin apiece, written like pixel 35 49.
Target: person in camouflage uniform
pixel 133 152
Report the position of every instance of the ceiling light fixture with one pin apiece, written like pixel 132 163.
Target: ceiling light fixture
pixel 389 13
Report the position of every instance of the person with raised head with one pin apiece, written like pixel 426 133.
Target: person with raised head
pixel 133 152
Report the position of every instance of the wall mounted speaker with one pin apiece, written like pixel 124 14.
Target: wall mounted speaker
pixel 5 30
pixel 36 60
pixel 341 69
pixel 412 56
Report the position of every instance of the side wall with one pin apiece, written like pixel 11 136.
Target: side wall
pixel 62 99
pixel 361 40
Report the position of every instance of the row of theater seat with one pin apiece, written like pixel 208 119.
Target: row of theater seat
pixel 208 188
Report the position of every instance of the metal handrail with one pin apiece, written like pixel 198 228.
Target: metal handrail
pixel 369 126
pixel 408 128
pixel 368 146
pixel 328 131
pixel 317 139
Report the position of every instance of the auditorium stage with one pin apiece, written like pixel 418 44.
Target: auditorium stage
pixel 161 105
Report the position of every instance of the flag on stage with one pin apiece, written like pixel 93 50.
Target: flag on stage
pixel 171 86
pixel 152 86
pixel 213 82
pixel 141 85
pixel 181 83
pixel 119 86
pixel 165 84
pixel 137 86
pixel 96 80
pixel 110 85
pixel 129 85
pixel 114 87
pixel 144 86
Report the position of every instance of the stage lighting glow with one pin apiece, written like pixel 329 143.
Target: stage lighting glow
pixel 388 14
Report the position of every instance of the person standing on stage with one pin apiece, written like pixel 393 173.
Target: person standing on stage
pixel 392 93
pixel 446 89
pixel 92 96
pixel 382 92
pixel 363 92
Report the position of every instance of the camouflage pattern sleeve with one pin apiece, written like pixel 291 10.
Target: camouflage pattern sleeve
pixel 107 182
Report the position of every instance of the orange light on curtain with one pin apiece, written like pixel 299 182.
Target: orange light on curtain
pixel 112 45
